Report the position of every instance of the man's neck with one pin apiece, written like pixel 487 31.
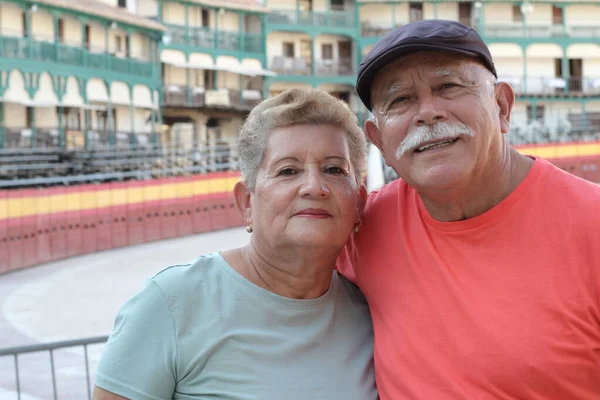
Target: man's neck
pixel 483 192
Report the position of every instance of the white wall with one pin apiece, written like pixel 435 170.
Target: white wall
pixel 11 20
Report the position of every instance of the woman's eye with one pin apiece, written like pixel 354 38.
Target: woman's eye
pixel 335 170
pixel 287 172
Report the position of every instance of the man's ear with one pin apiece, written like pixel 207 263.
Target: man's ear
pixel 373 133
pixel 242 201
pixel 505 98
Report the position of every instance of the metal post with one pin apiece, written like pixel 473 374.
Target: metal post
pixel 566 73
pixel 33 132
pixel 242 28
pixel 110 123
pixel 18 381
pixel 87 370
pixel 187 24
pixel 132 140
pixel 525 77
pixel 55 21
pixel 61 127
pixel 86 128
pixel 53 374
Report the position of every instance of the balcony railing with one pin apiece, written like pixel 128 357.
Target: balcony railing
pixel 25 48
pixel 291 66
pixel 517 30
pixel 213 39
pixel 334 67
pixel 545 31
pixel 551 86
pixel 188 96
pixel 336 19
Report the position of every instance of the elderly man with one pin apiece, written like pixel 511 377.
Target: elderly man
pixel 481 266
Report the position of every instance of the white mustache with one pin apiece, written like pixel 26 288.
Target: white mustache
pixel 427 133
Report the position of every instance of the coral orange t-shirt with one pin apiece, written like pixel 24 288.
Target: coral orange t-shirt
pixel 505 305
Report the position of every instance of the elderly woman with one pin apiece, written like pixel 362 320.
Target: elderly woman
pixel 271 320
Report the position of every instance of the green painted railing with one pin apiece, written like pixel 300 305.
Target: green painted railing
pixel 25 48
pixel 336 19
pixel 212 39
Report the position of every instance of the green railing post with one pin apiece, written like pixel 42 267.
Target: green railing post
pixel 242 30
pixel 84 48
pixel 217 16
pixel 525 73
pixel 129 55
pixel 2 128
pixel 159 14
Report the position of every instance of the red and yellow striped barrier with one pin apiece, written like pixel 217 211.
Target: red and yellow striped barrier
pixel 42 225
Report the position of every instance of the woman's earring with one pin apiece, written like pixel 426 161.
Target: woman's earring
pixel 248 228
pixel 357 227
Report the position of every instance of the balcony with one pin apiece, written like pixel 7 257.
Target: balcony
pixel 303 66
pixel 39 51
pixel 313 19
pixel 544 31
pixel 574 86
pixel 205 38
pixel 189 96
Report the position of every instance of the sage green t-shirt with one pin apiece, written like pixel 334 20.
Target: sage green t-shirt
pixel 202 331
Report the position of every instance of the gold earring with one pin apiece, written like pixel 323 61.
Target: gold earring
pixel 357 227
pixel 248 229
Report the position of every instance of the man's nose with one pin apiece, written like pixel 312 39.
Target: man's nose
pixel 429 113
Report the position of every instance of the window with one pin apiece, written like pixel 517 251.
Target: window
pixel 557 15
pixel 72 119
pixel 209 79
pixel 464 13
pixel 205 18
pixel 288 49
pixel 517 13
pixel 61 30
pixel 122 3
pixel 337 5
pixel 88 43
pixel 327 51
pixel 24 22
pixel 29 117
pixel 118 44
pixel 305 5
pixel 127 47
pixel 415 12
pixel 539 113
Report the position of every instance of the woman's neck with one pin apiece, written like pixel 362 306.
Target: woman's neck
pixel 297 274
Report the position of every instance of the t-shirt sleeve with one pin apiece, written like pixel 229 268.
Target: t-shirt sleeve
pixel 139 361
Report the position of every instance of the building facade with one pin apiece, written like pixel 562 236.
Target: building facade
pixel 185 73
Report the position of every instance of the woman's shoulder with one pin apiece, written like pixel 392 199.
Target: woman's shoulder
pixel 181 279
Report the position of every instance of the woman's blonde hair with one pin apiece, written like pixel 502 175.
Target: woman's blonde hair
pixel 297 106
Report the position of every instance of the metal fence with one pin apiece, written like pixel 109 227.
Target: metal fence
pixel 53 373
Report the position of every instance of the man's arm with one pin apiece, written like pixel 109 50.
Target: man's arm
pixel 101 394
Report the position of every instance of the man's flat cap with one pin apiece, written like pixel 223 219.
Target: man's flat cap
pixel 431 34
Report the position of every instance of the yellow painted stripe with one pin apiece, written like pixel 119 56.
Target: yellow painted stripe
pixel 88 200
pixel 564 151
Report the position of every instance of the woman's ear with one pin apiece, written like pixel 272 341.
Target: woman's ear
pixel 362 200
pixel 242 201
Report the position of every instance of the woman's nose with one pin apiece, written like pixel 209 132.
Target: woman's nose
pixel 314 185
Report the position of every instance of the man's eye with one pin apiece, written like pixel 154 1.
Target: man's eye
pixel 287 172
pixel 399 99
pixel 448 86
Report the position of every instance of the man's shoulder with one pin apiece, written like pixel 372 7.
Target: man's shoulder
pixel 387 198
pixel 569 189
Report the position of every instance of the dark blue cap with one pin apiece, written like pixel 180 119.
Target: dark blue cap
pixel 431 34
